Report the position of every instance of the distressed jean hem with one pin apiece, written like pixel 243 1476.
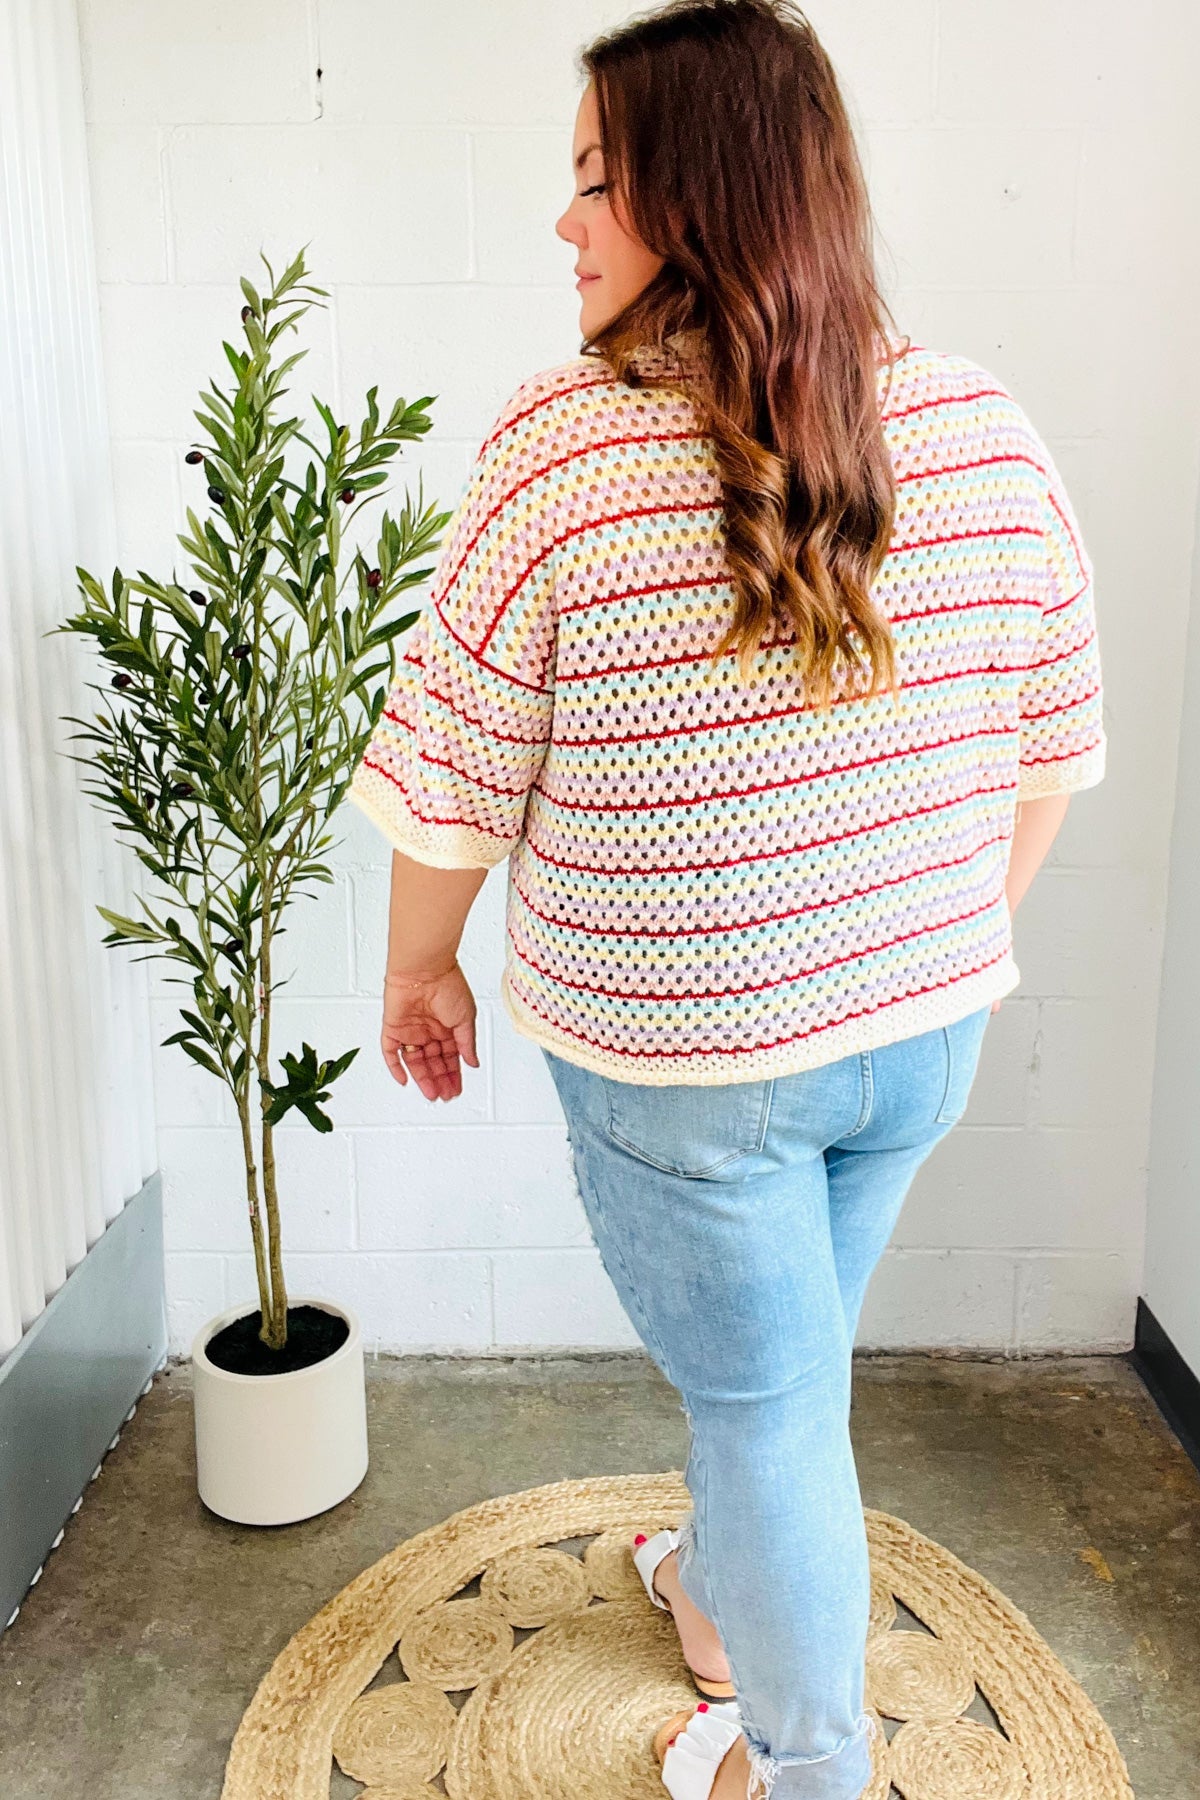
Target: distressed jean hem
pixel 843 1774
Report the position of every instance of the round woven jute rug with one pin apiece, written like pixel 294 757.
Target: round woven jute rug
pixel 511 1652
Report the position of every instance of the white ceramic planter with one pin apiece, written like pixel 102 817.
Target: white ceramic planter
pixel 271 1449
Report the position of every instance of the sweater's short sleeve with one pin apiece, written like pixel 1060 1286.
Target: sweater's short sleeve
pixel 464 730
pixel 1062 735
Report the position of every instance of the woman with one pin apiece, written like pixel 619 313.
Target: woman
pixel 763 646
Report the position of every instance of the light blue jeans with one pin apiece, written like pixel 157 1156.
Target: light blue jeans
pixel 740 1225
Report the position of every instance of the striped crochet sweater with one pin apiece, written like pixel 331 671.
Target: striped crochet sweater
pixel 710 882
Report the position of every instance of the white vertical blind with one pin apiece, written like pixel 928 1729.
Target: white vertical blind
pixel 76 1096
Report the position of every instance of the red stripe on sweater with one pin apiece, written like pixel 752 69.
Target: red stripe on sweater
pixel 788 712
pixel 675 437
pixel 1067 706
pixel 1029 762
pixel 504 737
pixel 760 987
pixel 578 387
pixel 1081 568
pixel 965 537
pixel 440 762
pixel 769 787
pixel 666 662
pixel 640 512
pixel 530 687
pixel 775 1043
pixel 434 818
pixel 1069 601
pixel 446 580
pixel 737 862
pixel 907 412
pixel 981 462
pixel 582 930
pixel 608 379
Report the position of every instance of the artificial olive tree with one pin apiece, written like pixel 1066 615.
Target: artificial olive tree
pixel 238 710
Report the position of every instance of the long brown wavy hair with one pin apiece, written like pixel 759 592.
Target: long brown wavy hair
pixel 728 149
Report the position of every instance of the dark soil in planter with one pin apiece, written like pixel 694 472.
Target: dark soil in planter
pixel 312 1335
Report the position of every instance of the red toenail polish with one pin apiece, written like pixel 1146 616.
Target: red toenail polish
pixel 640 1538
pixel 703 1706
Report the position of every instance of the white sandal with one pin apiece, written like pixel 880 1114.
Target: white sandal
pixel 691 1759
pixel 648 1552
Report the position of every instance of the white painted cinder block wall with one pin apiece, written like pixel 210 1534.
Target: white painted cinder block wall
pixel 1033 172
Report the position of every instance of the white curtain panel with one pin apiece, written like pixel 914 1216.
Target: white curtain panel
pixel 76 1096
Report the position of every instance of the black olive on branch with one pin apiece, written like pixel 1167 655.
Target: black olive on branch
pixel 216 494
pixel 231 947
pixel 194 456
pixel 346 494
pixel 182 790
pixel 374 578
pixel 240 650
pixel 122 681
pixel 198 597
pixel 246 312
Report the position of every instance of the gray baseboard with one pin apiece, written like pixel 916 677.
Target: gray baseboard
pixel 1174 1387
pixel 67 1386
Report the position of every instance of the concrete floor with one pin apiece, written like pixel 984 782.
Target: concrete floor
pixel 133 1658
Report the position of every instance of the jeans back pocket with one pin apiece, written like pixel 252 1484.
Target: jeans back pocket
pixel 688 1130
pixel 963 1042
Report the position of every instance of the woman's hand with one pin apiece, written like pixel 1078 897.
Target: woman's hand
pixel 428 1023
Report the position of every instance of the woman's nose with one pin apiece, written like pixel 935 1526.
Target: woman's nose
pixel 566 228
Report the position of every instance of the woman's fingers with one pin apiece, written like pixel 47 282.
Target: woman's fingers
pixel 428 1025
pixel 435 1069
pixel 464 1039
pixel 393 1060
